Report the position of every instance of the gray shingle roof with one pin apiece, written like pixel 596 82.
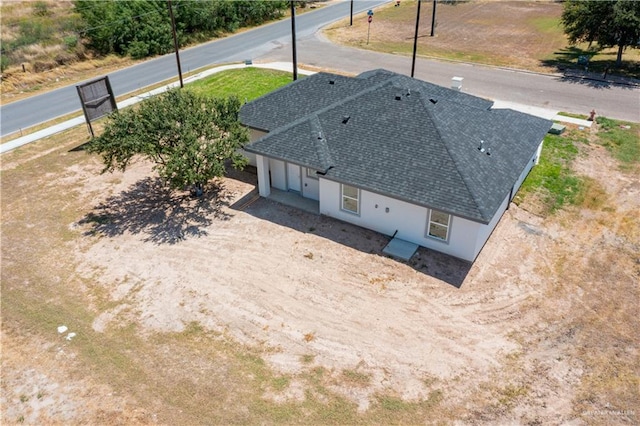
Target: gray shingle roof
pixel 403 138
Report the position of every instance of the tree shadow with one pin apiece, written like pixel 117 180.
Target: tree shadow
pixel 443 267
pixel 566 58
pixel 578 66
pixel 165 216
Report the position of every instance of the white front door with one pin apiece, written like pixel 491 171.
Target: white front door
pixel 293 177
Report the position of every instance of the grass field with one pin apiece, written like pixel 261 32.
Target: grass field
pixel 245 84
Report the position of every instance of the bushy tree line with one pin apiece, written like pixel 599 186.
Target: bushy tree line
pixel 142 28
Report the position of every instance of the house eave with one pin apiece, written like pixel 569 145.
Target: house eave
pixel 276 157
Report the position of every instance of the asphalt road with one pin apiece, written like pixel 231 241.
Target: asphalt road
pixel 247 45
pixel 272 42
pixel 556 92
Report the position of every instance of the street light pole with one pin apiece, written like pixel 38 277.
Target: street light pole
pixel 175 41
pixel 415 40
pixel 293 40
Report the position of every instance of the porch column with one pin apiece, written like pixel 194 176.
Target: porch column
pixel 264 186
pixel 539 152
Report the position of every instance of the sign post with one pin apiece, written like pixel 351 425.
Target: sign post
pixel 369 19
pixel 97 100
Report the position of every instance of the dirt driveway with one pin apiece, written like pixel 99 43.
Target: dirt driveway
pixel 514 338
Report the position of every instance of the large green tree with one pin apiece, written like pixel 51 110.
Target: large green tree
pixel 190 138
pixel 607 22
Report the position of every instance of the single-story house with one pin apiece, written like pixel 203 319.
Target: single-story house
pixel 424 163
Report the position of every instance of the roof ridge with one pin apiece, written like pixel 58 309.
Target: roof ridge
pixel 309 116
pixel 320 143
pixel 465 180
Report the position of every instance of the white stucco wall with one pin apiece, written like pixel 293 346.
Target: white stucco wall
pixel 254 135
pixel 466 238
pixel 532 162
pixel 484 232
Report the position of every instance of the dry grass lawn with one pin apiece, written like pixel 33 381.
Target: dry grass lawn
pixel 518 34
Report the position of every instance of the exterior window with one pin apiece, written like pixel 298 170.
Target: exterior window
pixel 311 174
pixel 350 199
pixel 439 225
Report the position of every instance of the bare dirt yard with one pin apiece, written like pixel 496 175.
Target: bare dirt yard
pixel 233 310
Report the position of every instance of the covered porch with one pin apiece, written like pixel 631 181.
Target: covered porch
pixel 288 183
pixel 294 199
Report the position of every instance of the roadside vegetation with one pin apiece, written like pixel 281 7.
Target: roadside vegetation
pixel 143 28
pixel 52 43
pixel 199 376
pixel 45 34
pixel 553 182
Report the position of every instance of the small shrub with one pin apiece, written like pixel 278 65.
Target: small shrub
pixel 309 337
pixel 4 63
pixel 70 41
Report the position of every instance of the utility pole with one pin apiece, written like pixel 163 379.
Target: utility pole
pixel 415 40
pixel 351 15
pixel 293 40
pixel 433 18
pixel 175 42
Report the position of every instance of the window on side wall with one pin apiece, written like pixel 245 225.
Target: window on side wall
pixel 350 199
pixel 311 174
pixel 438 225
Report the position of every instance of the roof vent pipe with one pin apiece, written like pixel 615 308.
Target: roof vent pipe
pixel 332 82
pixel 345 119
pixel 398 97
pixel 433 101
pixel 488 151
pixel 481 147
